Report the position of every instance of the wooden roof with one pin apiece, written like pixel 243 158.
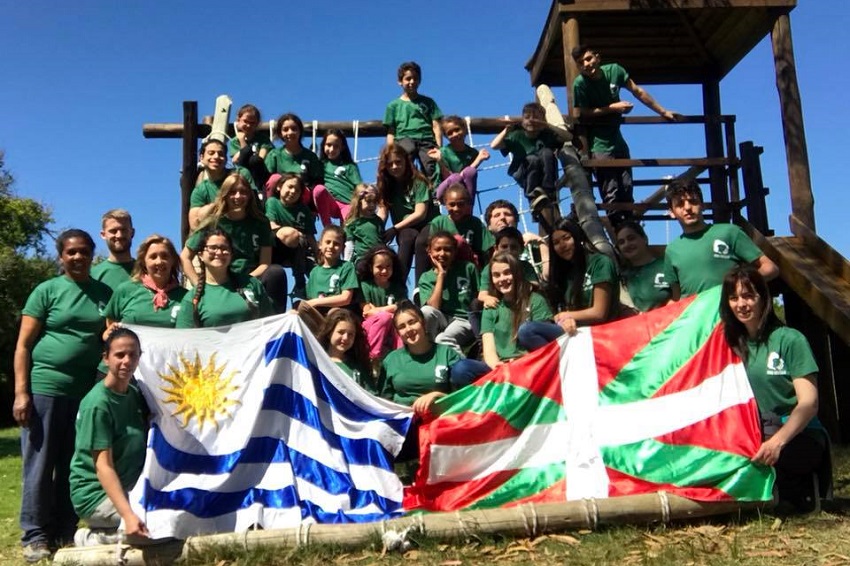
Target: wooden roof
pixel 658 41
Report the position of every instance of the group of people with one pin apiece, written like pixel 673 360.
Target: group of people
pixel 478 301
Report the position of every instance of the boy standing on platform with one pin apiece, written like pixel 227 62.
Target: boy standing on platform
pixel 700 258
pixel 117 231
pixel 413 121
pixel 596 94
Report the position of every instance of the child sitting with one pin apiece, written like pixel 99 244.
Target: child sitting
pixel 462 222
pixel 413 120
pixel 294 157
pixel 213 155
pixel 294 226
pixel 341 177
pixel 458 161
pixel 343 340
pixel 446 291
pixel 508 240
pixel 364 229
pixel 249 148
pixel 382 286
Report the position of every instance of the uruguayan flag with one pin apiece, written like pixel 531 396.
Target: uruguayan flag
pixel 253 425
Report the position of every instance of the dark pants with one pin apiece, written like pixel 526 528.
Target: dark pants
pixel 414 242
pixel 799 460
pixel 466 371
pixel 256 166
pixel 615 186
pixel 299 259
pixel 538 170
pixel 47 445
pixel 274 280
pixel 536 334
pixel 418 149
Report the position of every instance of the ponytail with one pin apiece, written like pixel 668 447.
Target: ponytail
pixel 199 293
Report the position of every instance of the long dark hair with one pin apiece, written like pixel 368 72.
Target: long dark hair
pixel 344 152
pixel 389 185
pixel 734 330
pixel 358 354
pixel 364 266
pixel 520 298
pixel 562 271
pixel 253 307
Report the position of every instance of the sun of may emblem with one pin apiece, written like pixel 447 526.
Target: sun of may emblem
pixel 199 391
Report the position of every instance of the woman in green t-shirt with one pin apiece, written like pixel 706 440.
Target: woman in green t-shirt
pixel 583 284
pixel 783 375
pixel 521 321
pixel 643 271
pixel 221 296
pixel 56 356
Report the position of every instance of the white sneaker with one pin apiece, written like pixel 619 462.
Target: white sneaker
pixel 88 537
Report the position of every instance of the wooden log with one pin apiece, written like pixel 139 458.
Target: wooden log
pixel 525 520
pixel 570 40
pixel 666 162
pixel 189 171
pixel 714 147
pixel 796 152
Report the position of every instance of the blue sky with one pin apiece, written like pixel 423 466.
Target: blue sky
pixel 81 81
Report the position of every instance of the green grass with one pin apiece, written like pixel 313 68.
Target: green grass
pixel 756 539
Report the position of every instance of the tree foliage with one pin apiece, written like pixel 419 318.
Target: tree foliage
pixel 24 233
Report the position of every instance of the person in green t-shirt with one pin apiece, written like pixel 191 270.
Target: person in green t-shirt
pixel 342 175
pixel 406 196
pixel 109 450
pixel 700 258
pixel 413 120
pixel 249 148
pixel 344 341
pixel 521 321
pixel 476 241
pixel 458 161
pixel 56 356
pixel 381 288
pixel 222 296
pixel 446 292
pixel 508 240
pixel 783 374
pixel 364 227
pixel 117 231
pixel 596 94
pixel 293 157
pixel 237 212
pixel 643 271
pixel 583 284
pixel 294 227
pixel 213 157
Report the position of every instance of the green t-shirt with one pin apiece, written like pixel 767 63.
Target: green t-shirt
pixel 460 287
pixel 520 146
pixel 772 366
pixel 298 216
pixel 207 190
pixel 600 269
pixel 701 260
pixel 597 93
pixel 260 141
pixel 341 178
pixel 413 119
pixel 65 357
pixel 329 281
pixel 221 305
pixel 248 236
pixel 361 376
pixel 403 203
pixel 527 271
pixel 500 322
pixel 471 229
pixel 365 232
pixel 456 161
pixel 408 377
pixel 111 273
pixel 381 297
pixel 304 163
pixel 107 419
pixel 647 286
pixel 132 303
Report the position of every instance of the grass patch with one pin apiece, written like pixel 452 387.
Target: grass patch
pixel 752 538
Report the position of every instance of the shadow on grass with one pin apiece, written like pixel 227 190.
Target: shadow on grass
pixel 10 447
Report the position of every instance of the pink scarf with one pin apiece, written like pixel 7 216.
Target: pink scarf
pixel 160 296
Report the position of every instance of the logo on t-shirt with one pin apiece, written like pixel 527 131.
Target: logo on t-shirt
pixel 175 310
pixel 101 307
pixel 441 374
pixel 775 364
pixel 721 249
pixel 355 375
pixel 588 283
pixel 339 171
pixel 470 234
pixel 333 284
pixel 462 286
pixel 615 90
pixel 659 282
pixel 300 219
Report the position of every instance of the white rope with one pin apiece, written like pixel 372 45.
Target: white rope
pixel 460 522
pixel 591 513
pixel 532 529
pixel 395 540
pixel 665 507
pixel 315 133
pixel 468 121
pixel 355 125
pixel 272 124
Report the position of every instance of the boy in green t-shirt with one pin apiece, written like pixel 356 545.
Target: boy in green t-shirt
pixel 248 148
pixel 117 231
pixel 413 121
pixel 700 258
pixel 460 221
pixel 446 291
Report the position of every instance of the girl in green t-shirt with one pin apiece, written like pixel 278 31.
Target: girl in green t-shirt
pixel 343 340
pixel 294 227
pixel 458 161
pixel 294 157
pixel 783 375
pixel 382 287
pixel 643 271
pixel 364 227
pixel 582 282
pixel 521 321
pixel 341 177
pixel 406 194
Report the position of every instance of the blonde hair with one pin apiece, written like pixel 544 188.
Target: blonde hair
pixel 119 214
pixel 139 269
pixel 360 191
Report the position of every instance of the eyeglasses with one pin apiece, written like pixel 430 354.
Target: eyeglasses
pixel 223 250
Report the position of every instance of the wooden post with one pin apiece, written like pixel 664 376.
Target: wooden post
pixel 189 171
pixel 714 148
pixel 570 39
pixel 796 153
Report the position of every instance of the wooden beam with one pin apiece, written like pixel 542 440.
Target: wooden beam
pixel 667 162
pixel 656 5
pixel 828 255
pixel 544 46
pixel 796 152
pixel 714 147
pixel 571 39
pixel 189 172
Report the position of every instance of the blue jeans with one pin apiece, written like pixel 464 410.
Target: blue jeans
pixel 534 334
pixel 466 371
pixel 47 445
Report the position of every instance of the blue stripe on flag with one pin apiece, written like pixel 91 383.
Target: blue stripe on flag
pixel 292 346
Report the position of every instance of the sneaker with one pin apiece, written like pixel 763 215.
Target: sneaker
pixel 89 537
pixel 36 552
pixel 537 199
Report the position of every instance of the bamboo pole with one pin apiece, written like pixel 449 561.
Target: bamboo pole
pixel 527 520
